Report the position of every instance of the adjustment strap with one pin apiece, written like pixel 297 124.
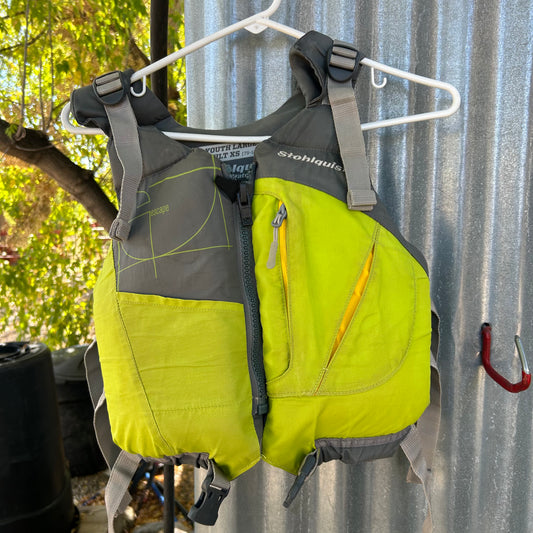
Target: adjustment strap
pixel 343 67
pixel 102 426
pixel 111 92
pixel 122 464
pixel 412 448
pixel 429 423
pixel 117 496
pixel 307 468
pixel 215 488
pixel 419 445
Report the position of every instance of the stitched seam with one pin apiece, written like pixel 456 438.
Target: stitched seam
pixel 163 440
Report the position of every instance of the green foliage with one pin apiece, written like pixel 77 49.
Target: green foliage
pixel 46 294
pixel 69 43
pixel 46 52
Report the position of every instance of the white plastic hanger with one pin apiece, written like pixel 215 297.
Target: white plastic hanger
pixel 256 24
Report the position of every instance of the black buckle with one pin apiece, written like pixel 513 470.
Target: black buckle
pixel 215 488
pixel 111 88
pixel 343 62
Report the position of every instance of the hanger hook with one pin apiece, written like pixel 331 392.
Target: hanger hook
pixel 485 357
pixel 375 84
pixel 143 90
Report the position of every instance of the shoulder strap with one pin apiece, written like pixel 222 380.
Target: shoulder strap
pixel 111 89
pixel 325 71
pixel 343 67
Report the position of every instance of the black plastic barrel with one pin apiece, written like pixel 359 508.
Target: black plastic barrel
pixel 35 490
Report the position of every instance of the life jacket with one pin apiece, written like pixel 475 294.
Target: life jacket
pixel 257 301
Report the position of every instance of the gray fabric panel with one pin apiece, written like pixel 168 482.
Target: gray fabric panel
pixel 158 153
pixel 182 240
pixel 264 126
pixel 357 450
pixel 93 373
pixel 308 62
pixel 89 111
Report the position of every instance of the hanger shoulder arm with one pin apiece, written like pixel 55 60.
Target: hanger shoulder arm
pixel 415 78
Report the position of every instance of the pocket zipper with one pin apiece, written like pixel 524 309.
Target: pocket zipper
pixel 352 306
pixel 277 223
pixel 353 303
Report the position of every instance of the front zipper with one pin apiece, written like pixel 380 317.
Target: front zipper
pixel 254 338
pixel 352 306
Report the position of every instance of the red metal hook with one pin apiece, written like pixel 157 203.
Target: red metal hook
pixel 498 378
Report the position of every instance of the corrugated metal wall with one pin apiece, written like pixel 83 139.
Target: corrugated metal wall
pixel 461 189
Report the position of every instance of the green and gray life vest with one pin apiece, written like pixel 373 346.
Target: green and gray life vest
pixel 257 301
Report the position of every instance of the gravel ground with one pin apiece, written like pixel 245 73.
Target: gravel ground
pixel 89 490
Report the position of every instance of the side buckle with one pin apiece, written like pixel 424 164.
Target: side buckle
pixel 110 88
pixel 343 62
pixel 215 488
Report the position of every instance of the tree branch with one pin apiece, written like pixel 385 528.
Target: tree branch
pixel 138 57
pixel 35 149
pixel 20 45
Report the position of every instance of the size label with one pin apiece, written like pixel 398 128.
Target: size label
pixel 230 152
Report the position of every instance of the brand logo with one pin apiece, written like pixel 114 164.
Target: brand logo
pixel 313 160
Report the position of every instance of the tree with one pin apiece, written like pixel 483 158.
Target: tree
pixel 47 49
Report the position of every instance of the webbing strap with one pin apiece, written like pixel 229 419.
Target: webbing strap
pixel 419 445
pixel 428 424
pixel 102 426
pixel 412 447
pixel 306 470
pixel 117 496
pixel 123 465
pixel 112 94
pixel 126 140
pixel 360 195
pixel 347 123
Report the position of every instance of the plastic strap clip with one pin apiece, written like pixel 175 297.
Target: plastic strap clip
pixel 215 488
pixel 110 88
pixel 343 62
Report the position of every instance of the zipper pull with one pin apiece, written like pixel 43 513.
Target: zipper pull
pixel 281 215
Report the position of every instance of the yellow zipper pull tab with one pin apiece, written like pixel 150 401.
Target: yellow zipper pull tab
pixel 281 215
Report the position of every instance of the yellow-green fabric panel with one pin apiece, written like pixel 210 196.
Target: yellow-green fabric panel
pixel 125 398
pixel 322 270
pixel 325 261
pixel 377 381
pixel 176 375
pixel 295 423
